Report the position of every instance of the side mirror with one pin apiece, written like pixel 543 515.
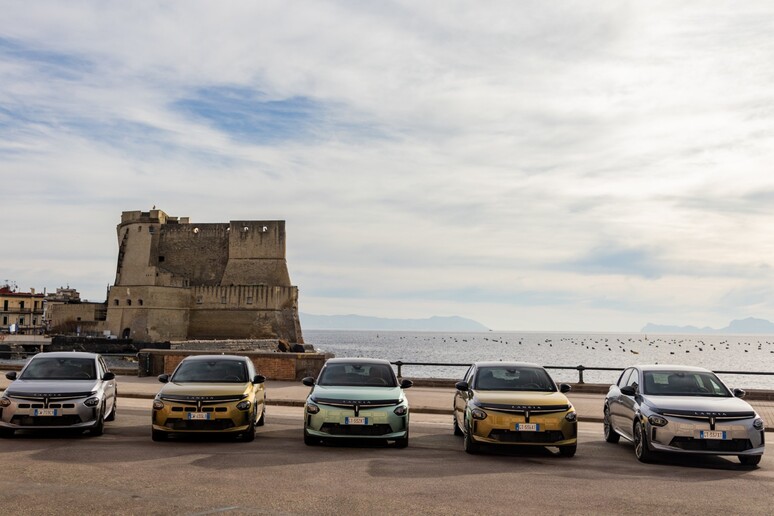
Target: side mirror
pixel 308 381
pixel 739 393
pixel 462 386
pixel 628 390
pixel 11 375
pixel 405 384
pixel 164 378
pixel 259 378
pixel 108 376
pixel 565 387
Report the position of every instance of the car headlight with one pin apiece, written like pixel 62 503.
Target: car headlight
pixel 311 408
pixel 158 404
pixel 757 424
pixel 402 410
pixel 477 413
pixel 244 405
pixel 91 402
pixel 572 417
pixel 657 420
pixel 4 402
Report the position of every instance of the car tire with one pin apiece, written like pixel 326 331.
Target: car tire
pixel 99 428
pixel 403 441
pixel 641 449
pixel 159 435
pixel 457 430
pixel 750 460
pixel 262 420
pixel 611 435
pixel 468 443
pixel 568 451
pixel 7 433
pixel 249 435
pixel 310 440
pixel 112 415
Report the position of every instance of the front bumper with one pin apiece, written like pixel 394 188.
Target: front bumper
pixel 336 422
pixel 178 417
pixel 683 435
pixel 64 415
pixel 504 428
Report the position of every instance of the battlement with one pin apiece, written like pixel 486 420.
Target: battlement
pixel 152 216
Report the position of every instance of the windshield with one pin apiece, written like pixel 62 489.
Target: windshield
pixel 684 383
pixel 64 368
pixel 504 378
pixel 370 375
pixel 212 371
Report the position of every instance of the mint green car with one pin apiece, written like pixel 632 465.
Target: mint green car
pixel 356 398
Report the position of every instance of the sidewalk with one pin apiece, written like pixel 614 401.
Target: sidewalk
pixel 428 400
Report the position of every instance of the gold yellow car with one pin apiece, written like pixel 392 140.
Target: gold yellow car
pixel 210 393
pixel 513 403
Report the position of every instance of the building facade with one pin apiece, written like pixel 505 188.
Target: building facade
pixel 21 312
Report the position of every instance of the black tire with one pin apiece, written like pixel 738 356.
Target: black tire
pixel 159 435
pixel 403 441
pixel 310 440
pixel 6 433
pixel 112 415
pixel 457 430
pixel 750 460
pixel 641 449
pixel 99 428
pixel 468 443
pixel 568 451
pixel 249 435
pixel 611 435
pixel 262 420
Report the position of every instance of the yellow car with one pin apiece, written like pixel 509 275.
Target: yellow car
pixel 210 393
pixel 514 403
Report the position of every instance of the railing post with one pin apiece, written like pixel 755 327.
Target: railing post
pixel 400 365
pixel 580 369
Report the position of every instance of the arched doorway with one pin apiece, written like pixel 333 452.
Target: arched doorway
pixel 125 334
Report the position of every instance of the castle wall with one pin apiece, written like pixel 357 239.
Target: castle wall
pixel 149 313
pixel 197 252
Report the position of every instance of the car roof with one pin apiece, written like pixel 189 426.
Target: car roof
pixel 357 361
pixel 67 354
pixel 191 358
pixel 492 363
pixel 667 367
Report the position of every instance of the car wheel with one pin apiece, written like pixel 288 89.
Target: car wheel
pixel 469 444
pixel 99 428
pixel 310 440
pixel 457 429
pixel 159 435
pixel 750 460
pixel 611 435
pixel 112 415
pixel 262 419
pixel 568 451
pixel 249 434
pixel 403 441
pixel 6 433
pixel 641 450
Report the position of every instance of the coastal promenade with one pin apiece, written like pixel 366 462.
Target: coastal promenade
pixel 428 399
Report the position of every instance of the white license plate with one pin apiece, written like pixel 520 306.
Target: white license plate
pixel 712 434
pixel 45 412
pixel 198 415
pixel 527 427
pixel 355 420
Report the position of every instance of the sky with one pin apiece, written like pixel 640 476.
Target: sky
pixel 532 165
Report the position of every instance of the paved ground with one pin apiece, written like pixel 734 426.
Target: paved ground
pixel 124 472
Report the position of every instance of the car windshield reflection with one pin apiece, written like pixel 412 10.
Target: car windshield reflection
pixel 352 375
pixel 684 383
pixel 211 371
pixel 60 369
pixel 513 379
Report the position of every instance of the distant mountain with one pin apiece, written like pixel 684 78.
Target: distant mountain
pixel 736 327
pixel 361 322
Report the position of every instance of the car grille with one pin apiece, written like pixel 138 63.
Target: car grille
pixel 351 403
pixel 354 430
pixel 507 436
pixel 66 420
pixel 50 405
pixel 59 396
pixel 204 409
pixel 200 425
pixel 521 409
pixel 690 444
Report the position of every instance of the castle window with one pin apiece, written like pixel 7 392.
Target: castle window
pixel 128 302
pixel 77 319
pixel 223 300
pixel 249 300
pixel 115 302
pixel 140 301
pixel 161 259
pixel 139 228
pixel 199 300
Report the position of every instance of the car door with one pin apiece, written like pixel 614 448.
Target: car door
pixel 109 386
pixel 461 397
pixel 629 404
pixel 614 399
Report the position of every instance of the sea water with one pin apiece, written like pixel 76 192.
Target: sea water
pixel 716 352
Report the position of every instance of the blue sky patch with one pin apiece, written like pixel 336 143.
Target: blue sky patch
pixel 50 63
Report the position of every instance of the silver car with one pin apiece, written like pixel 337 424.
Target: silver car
pixel 662 408
pixel 57 391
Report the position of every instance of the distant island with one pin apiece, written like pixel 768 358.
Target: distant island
pixel 362 322
pixel 736 327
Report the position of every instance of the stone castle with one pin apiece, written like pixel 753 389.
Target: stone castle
pixel 181 281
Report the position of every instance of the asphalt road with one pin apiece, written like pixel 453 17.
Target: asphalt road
pixel 124 472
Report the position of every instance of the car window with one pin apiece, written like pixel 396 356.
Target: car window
pixel 633 379
pixel 64 368
pixel 684 383
pixel 624 377
pixel 509 378
pixel 469 375
pixel 371 375
pixel 212 371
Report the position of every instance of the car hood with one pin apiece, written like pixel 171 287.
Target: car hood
pixel 693 404
pixel 346 393
pixel 203 389
pixel 32 387
pixel 520 398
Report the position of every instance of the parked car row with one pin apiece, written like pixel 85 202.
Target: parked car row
pixel 675 409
